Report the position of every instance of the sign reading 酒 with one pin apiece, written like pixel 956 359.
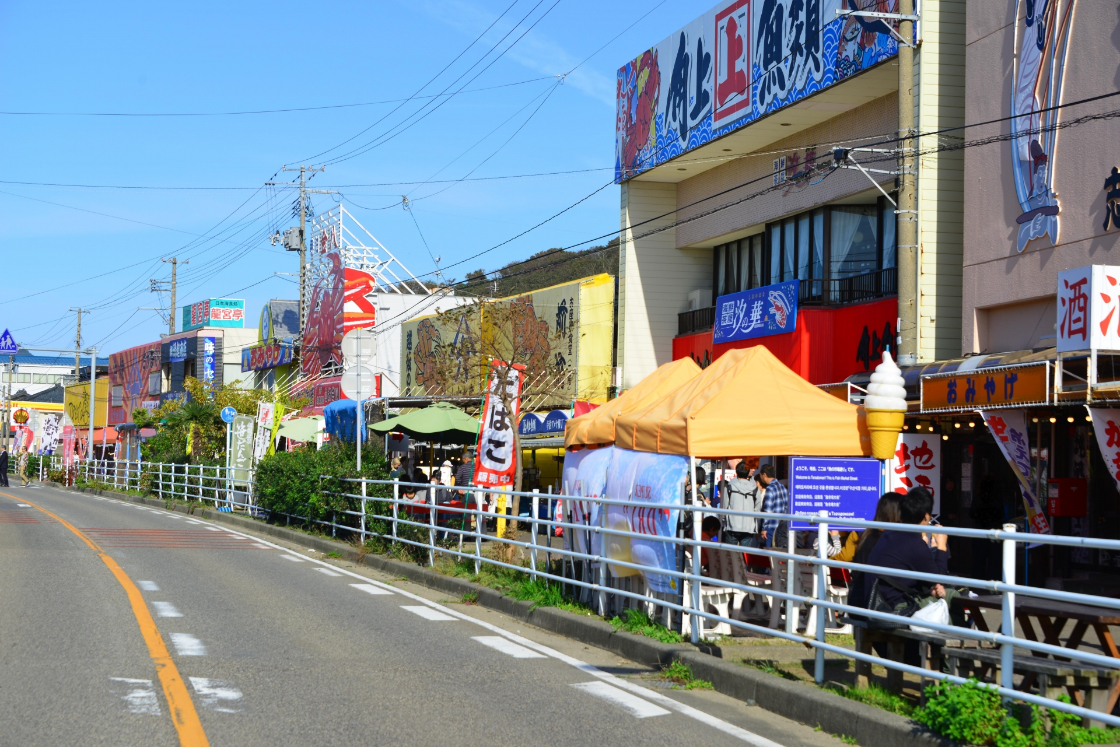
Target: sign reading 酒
pixel 769 310
pixel 737 62
pixel 1089 309
pixel 987 389
pixel 845 488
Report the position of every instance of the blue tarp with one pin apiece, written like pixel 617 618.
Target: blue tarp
pixel 341 419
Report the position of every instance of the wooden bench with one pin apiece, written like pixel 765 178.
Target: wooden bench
pixel 1088 686
pixel 931 650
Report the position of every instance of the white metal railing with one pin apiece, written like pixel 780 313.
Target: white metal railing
pixel 224 487
pixel 461 531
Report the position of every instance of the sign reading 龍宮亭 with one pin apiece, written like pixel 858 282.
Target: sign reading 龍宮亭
pixel 987 388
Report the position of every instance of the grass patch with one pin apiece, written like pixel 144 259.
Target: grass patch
pixel 875 696
pixel 639 623
pixel 332 554
pixel 848 740
pixel 471 597
pixel 681 675
pixel 770 667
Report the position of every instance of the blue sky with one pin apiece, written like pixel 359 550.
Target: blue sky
pixel 221 57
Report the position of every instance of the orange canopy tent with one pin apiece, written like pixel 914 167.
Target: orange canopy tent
pixel 746 403
pixel 597 426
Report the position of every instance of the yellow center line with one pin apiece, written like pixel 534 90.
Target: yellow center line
pixel 183 713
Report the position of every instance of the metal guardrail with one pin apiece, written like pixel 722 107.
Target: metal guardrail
pixel 586 574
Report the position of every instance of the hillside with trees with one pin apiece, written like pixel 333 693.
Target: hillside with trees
pixel 543 269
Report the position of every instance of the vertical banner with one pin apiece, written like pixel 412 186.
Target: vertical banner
pixel 265 416
pixel 495 461
pixel 1010 430
pixel 67 445
pixel 916 464
pixel 241 448
pixel 621 477
pixel 50 430
pixel 1106 426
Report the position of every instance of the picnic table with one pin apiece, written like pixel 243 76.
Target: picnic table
pixel 1052 617
pixel 442 517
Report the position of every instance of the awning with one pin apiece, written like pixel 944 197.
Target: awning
pixel 440 423
pixel 549 442
pixel 301 429
pixel 598 426
pixel 747 403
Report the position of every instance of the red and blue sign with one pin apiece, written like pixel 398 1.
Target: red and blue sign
pixel 759 312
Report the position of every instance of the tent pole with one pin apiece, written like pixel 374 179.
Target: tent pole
pixel 694 584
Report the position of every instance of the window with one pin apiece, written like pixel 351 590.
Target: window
pixel 738 265
pixel 775 273
pixel 854 246
pixel 118 396
pixel 46 378
pixel 154 382
pixel 18 378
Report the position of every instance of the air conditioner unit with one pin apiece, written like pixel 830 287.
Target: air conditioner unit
pixel 291 239
pixel 701 298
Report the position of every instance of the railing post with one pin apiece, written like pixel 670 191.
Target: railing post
pixel 602 561
pixel 1007 650
pixel 822 595
pixel 363 524
pixel 478 524
pixel 694 581
pixel 533 527
pixel 792 609
pixel 396 507
pixel 432 528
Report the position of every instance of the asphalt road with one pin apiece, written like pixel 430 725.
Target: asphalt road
pixel 274 645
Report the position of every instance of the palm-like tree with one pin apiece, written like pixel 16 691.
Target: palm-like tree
pixel 195 414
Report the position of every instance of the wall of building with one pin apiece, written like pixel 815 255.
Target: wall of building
pixel 940 77
pixel 877 119
pixel 999 280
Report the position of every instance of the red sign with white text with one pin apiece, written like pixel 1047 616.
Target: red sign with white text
pixel 495 461
pixel 916 464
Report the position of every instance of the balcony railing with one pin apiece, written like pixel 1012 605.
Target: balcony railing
pixel 696 320
pixel 834 292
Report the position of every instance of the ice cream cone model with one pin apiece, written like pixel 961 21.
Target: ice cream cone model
pixel 885 404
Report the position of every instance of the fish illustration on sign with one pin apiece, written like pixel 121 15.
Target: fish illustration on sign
pixel 779 307
pixel 1041 40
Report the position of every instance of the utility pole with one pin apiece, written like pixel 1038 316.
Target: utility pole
pixel 303 192
pixel 175 261
pixel 78 345
pixel 908 271
pixel 8 411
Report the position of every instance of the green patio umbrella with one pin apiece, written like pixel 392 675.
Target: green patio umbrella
pixel 440 423
pixel 301 429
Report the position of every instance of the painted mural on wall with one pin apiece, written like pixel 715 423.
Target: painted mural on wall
pixel 737 62
pixel 130 370
pixel 322 335
pixel 1041 39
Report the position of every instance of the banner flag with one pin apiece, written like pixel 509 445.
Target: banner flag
pixel 1106 426
pixel 265 415
pixel 585 475
pixel 1010 430
pixel 241 448
pixel 495 461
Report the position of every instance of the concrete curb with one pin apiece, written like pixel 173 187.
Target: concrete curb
pixel 871 727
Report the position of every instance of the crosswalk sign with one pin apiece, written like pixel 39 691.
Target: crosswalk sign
pixel 8 343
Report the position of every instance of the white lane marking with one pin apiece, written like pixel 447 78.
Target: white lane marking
pixel 166 609
pixel 24 505
pixel 187 645
pixel 328 572
pixel 147 585
pixel 212 529
pixel 263 547
pixel 637 707
pixel 507 647
pixel 427 613
pixel 293 558
pixel 370 588
pixel 697 715
pixel 216 695
pixel 138 695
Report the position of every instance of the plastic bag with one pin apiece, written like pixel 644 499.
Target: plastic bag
pixel 938 612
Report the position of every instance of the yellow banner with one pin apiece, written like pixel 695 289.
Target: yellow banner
pixel 76 404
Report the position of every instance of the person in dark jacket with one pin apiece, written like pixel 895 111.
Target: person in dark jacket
pixel 908 551
pixel 886 511
pixel 3 466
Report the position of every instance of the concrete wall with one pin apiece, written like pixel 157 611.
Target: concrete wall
pixel 997 279
pixel 940 75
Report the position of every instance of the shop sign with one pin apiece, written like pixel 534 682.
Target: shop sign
pixel 326 392
pixel 845 488
pixel 531 424
pixel 208 360
pixel 1089 308
pixel 214 312
pixel 1010 432
pixel 269 355
pixel 987 389
pixel 759 312
pixel 555 421
pixel 177 350
pixel 916 464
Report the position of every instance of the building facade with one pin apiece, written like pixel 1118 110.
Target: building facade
pixel 725 134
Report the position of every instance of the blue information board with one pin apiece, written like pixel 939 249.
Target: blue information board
pixel 769 310
pixel 846 488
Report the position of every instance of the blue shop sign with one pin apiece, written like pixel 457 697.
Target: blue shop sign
pixel 759 312
pixel 845 488
pixel 177 350
pixel 555 421
pixel 530 425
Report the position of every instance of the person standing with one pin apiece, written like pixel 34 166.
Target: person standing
pixel 742 494
pixel 21 465
pixel 4 466
pixel 775 532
